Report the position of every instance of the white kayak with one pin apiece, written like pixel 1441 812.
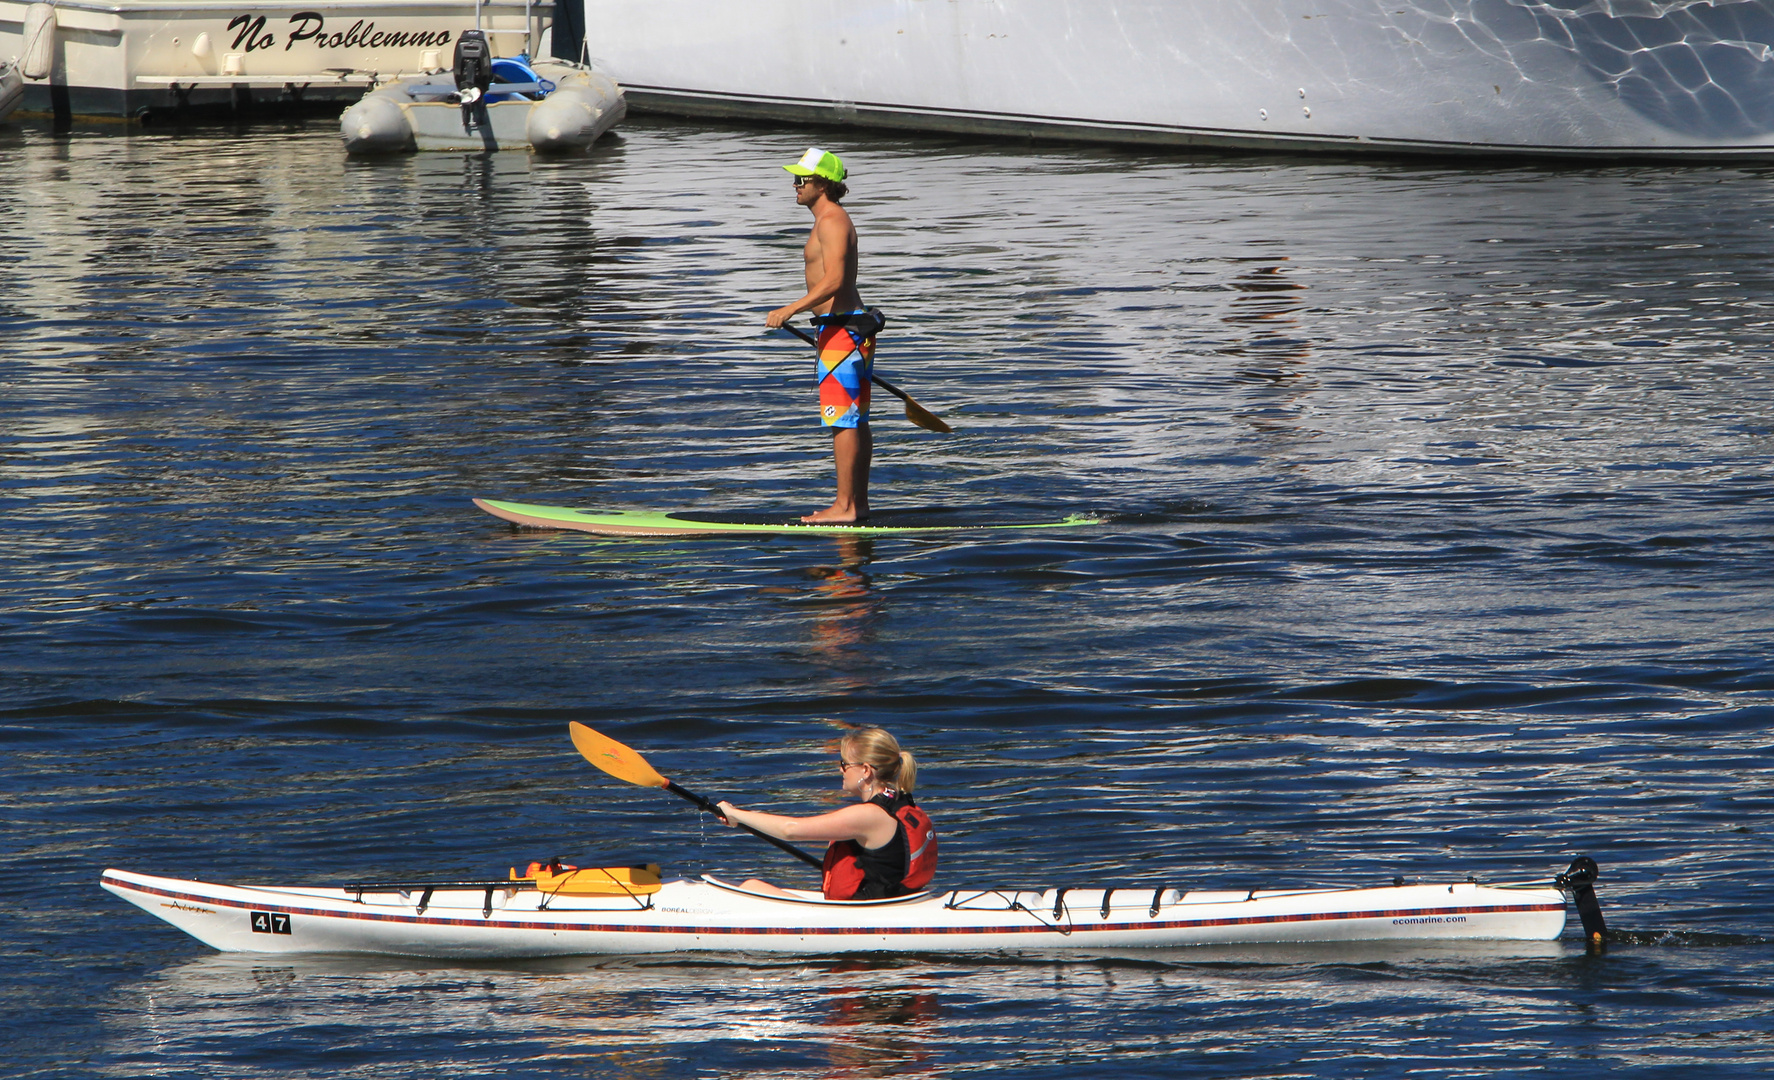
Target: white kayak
pixel 511 919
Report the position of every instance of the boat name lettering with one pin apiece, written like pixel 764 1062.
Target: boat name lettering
pixel 1419 920
pixel 310 26
pixel 270 922
pixel 252 33
pixel 176 906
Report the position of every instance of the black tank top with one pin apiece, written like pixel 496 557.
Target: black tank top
pixel 883 868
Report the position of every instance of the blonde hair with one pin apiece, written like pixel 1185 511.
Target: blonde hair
pixel 894 767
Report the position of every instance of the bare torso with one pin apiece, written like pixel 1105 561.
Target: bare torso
pixel 832 229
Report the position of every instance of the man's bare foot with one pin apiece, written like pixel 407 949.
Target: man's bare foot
pixel 837 514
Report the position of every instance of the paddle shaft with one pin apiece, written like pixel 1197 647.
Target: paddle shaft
pixel 685 793
pixel 624 764
pixel 876 379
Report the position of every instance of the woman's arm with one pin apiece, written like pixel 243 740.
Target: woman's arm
pixel 865 823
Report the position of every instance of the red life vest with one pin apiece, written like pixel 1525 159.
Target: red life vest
pixel 903 865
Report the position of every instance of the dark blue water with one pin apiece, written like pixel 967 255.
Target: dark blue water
pixel 1440 542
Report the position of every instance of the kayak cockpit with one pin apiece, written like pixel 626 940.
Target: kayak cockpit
pixel 807 896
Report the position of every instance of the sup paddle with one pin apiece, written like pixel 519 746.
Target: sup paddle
pixel 624 764
pixel 914 412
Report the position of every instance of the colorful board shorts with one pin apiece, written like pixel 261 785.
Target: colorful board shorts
pixel 846 359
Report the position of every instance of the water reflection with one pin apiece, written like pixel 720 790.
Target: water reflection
pixel 846 605
pixel 1266 310
pixel 843 607
pixel 858 1017
pixel 1694 66
pixel 879 1030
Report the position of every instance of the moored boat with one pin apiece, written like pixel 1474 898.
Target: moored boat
pixel 1606 79
pixel 148 59
pixel 553 106
pixel 628 910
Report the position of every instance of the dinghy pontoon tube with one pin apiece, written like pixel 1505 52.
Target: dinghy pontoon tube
pixel 12 87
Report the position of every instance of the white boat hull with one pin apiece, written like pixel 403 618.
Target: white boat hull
pixel 1609 78
pixel 410 114
pixel 706 915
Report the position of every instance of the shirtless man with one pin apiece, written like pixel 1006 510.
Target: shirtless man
pixel 846 333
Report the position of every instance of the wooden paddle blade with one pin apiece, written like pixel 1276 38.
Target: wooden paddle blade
pixel 914 412
pixel 614 758
pixel 924 418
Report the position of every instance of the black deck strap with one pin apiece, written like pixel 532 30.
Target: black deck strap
pixel 1059 902
pixel 1579 880
pixel 1106 894
pixel 1157 895
pixel 1018 905
pixel 425 900
pixel 486 910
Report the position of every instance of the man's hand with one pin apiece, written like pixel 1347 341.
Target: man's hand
pixel 780 316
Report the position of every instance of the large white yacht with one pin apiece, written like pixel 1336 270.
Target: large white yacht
pixel 142 58
pixel 1603 78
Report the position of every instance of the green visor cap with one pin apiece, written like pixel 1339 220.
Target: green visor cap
pixel 817 162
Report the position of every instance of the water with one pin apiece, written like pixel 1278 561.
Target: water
pixel 1439 543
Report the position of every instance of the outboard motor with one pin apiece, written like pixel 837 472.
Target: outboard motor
pixel 474 73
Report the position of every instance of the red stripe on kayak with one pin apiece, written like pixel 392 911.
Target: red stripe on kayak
pixel 829 931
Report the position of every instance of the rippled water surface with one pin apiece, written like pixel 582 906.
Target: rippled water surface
pixel 1438 542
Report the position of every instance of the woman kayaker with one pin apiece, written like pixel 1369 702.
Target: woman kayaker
pixel 884 846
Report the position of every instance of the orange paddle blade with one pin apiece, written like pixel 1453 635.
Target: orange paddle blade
pixel 614 758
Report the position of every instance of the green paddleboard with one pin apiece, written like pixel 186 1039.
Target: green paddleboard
pixel 646 523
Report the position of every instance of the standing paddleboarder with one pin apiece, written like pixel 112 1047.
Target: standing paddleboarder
pixel 846 331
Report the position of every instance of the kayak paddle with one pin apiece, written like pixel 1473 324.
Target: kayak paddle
pixel 914 412
pixel 624 764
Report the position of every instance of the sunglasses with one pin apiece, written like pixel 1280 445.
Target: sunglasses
pixel 801 181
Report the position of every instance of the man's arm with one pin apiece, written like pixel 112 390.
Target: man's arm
pixel 833 233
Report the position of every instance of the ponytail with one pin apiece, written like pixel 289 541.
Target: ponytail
pixel 907 777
